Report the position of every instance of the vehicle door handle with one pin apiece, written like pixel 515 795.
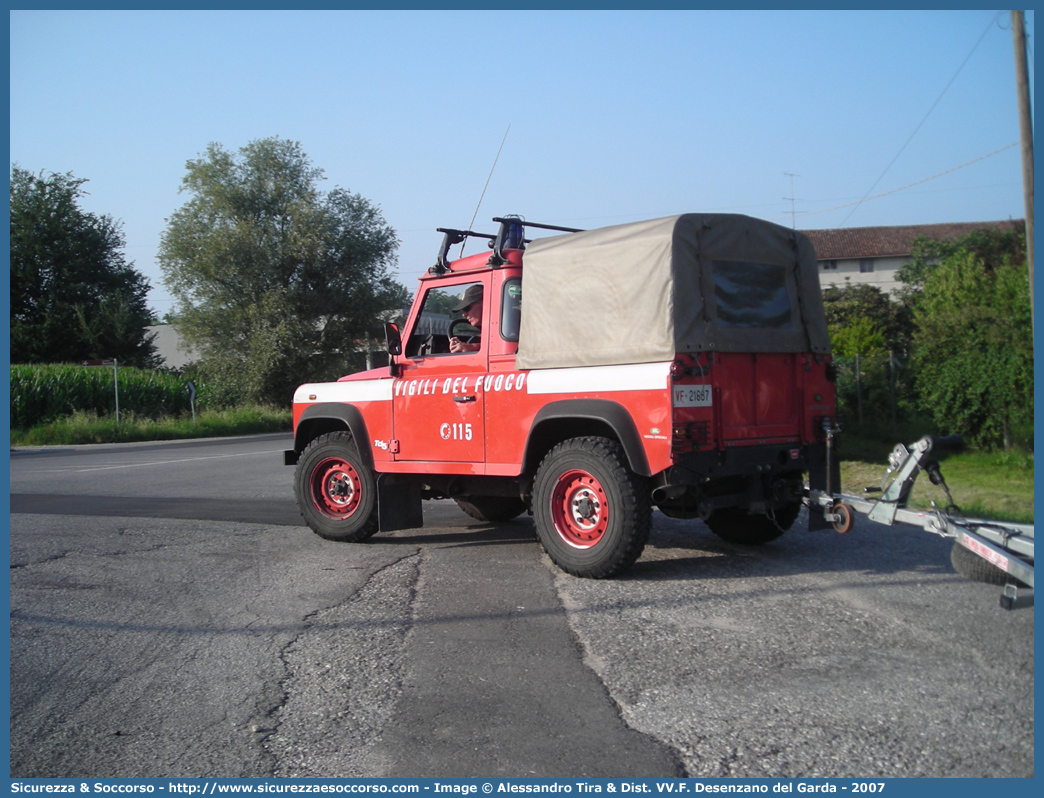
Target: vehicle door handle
pixel 463 399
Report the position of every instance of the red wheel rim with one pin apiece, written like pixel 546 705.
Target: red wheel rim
pixel 579 509
pixel 336 488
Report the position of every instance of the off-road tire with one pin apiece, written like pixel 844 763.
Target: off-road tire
pixel 492 509
pixel 971 566
pixel 592 512
pixel 335 491
pixel 735 525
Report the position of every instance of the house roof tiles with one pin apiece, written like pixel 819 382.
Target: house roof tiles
pixel 879 242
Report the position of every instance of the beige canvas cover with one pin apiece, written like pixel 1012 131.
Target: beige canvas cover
pixel 641 292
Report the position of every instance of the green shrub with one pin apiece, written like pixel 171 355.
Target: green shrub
pixel 88 427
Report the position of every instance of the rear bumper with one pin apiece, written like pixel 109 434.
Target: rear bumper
pixel 696 467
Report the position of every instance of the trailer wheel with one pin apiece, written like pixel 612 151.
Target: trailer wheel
pixel 971 566
pixel 846 518
pixel 735 525
pixel 592 512
pixel 492 509
pixel 336 493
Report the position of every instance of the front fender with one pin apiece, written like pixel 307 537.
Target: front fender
pixel 324 417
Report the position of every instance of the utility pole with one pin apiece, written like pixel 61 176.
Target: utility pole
pixel 1018 29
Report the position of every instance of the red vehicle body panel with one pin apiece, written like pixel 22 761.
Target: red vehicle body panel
pixel 464 415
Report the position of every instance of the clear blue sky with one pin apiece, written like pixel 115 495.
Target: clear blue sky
pixel 614 116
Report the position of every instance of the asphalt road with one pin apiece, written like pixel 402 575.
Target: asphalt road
pixel 170 617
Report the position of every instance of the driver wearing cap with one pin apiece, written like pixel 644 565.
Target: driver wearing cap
pixel 470 306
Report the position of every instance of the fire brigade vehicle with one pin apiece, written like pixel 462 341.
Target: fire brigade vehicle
pixel 587 377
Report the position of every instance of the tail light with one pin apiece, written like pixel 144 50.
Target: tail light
pixel 690 436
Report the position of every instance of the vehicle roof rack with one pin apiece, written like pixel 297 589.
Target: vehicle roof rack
pixel 452 237
pixel 506 238
pixel 524 223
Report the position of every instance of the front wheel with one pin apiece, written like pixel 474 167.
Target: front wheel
pixel 336 493
pixel 592 512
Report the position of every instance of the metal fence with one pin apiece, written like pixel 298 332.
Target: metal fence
pixel 874 391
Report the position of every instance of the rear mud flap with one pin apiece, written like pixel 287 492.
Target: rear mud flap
pixel 398 505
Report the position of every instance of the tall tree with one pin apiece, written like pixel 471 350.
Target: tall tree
pixel 276 282
pixel 73 294
pixel 973 349
pixel 989 245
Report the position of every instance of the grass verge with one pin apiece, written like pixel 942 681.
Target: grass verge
pixel 997 485
pixel 83 427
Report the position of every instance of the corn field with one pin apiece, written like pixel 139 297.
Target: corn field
pixel 41 394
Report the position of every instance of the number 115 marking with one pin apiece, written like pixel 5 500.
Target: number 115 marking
pixel 456 432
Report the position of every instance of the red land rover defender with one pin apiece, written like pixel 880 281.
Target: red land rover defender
pixel 680 363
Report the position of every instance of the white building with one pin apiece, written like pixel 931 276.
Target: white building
pixel 853 255
pixel 171 346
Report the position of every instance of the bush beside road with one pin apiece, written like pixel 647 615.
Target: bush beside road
pixel 88 427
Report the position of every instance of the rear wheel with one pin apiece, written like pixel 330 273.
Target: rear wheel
pixel 492 509
pixel 592 512
pixel 336 493
pixel 737 526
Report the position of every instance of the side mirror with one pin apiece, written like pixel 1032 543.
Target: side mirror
pixel 393 343
pixel 392 338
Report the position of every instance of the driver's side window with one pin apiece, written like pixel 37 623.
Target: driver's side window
pixel 442 318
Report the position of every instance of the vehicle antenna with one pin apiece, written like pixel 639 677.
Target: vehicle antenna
pixel 483 194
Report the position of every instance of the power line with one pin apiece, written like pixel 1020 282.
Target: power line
pixel 937 100
pixel 910 185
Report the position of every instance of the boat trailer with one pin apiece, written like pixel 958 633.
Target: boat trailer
pixel 996 552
